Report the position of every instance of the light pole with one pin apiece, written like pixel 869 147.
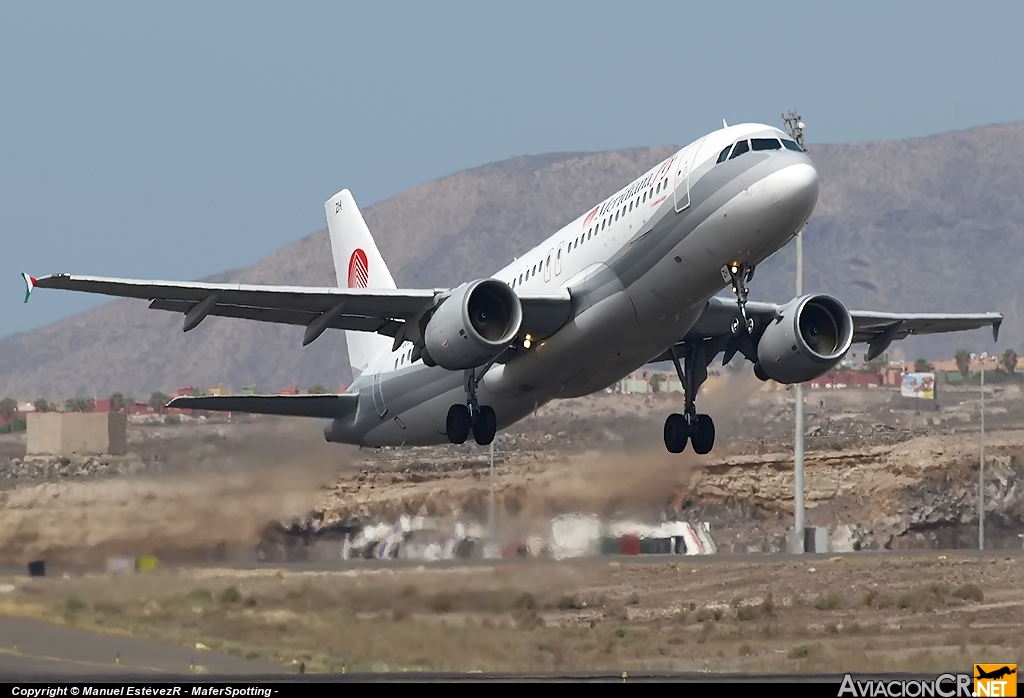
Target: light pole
pixel 490 516
pixel 981 462
pixel 795 127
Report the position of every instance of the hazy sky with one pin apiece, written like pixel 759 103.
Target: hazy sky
pixel 177 140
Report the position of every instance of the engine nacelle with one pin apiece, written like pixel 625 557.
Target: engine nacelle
pixel 473 325
pixel 811 336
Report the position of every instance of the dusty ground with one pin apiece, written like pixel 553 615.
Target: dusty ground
pixel 897 476
pixel 857 614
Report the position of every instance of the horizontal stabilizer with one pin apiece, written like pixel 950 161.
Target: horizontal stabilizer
pixel 324 406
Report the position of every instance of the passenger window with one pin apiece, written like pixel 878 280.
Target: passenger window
pixel 791 145
pixel 765 144
pixel 520 278
pixel 602 225
pixel 724 154
pixel 588 236
pixel 645 197
pixel 630 205
pixel 740 148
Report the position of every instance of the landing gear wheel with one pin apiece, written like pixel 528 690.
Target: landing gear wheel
pixel 458 424
pixel 485 424
pixel 703 434
pixel 677 431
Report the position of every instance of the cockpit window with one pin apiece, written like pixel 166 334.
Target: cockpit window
pixel 724 154
pixel 764 144
pixel 791 145
pixel 740 148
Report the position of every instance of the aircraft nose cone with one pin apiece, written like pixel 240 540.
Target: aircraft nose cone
pixel 798 190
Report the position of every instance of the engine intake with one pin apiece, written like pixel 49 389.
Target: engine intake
pixel 473 325
pixel 811 336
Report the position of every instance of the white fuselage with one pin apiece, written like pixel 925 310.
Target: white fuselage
pixel 640 267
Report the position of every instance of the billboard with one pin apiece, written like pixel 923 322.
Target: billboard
pixel 919 385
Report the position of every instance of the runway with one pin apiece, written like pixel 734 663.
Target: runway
pixel 34 648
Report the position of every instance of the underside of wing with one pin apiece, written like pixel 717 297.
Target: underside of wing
pixel 717 324
pixel 323 406
pixel 880 330
pixel 390 312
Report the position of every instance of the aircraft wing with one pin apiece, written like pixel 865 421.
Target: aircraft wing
pixel 325 406
pixel 384 311
pixel 877 329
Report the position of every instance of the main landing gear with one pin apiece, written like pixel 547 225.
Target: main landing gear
pixel 698 429
pixel 462 419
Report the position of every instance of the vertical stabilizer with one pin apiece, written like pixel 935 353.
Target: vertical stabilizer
pixel 358 264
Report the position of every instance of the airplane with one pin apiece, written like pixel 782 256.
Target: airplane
pixel 995 674
pixel 631 281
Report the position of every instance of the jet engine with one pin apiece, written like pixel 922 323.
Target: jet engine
pixel 809 337
pixel 472 326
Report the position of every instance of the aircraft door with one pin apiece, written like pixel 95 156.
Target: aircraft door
pixel 558 259
pixel 378 393
pixel 681 176
pixel 547 265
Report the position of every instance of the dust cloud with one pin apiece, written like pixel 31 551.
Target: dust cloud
pixel 642 480
pixel 204 506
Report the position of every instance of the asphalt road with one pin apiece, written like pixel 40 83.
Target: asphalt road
pixel 453 677
pixel 56 569
pixel 30 647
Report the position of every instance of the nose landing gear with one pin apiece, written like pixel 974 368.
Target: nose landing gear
pixel 739 275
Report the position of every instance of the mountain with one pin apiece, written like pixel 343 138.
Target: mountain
pixel 926 225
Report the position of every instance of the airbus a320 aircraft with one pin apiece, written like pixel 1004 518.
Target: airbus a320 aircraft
pixel 630 281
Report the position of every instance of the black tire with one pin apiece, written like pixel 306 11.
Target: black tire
pixel 484 426
pixel 703 436
pixel 677 431
pixel 458 424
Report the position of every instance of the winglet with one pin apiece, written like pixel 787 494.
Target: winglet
pixel 995 329
pixel 30 283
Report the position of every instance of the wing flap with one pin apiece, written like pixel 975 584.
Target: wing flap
pixel 323 406
pixel 286 317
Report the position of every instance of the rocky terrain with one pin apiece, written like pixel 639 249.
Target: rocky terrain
pixel 878 474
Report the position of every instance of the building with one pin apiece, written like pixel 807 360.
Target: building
pixel 76 433
pixel 847 379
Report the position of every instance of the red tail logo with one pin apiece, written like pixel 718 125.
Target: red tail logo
pixel 358 270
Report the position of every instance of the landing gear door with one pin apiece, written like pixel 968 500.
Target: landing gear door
pixel 681 176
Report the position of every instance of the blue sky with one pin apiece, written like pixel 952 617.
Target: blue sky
pixel 177 140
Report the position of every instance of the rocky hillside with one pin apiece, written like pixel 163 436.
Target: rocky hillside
pixel 928 224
